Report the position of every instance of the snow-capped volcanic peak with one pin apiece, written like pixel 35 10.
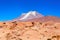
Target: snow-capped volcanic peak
pixel 30 15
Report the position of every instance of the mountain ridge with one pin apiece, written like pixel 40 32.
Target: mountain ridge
pixel 34 16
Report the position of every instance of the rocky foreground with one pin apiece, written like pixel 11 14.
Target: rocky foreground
pixel 49 30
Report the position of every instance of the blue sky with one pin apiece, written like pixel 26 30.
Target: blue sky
pixel 10 9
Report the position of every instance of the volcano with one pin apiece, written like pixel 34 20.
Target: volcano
pixel 28 16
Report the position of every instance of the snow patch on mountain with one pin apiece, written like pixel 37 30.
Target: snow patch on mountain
pixel 31 15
